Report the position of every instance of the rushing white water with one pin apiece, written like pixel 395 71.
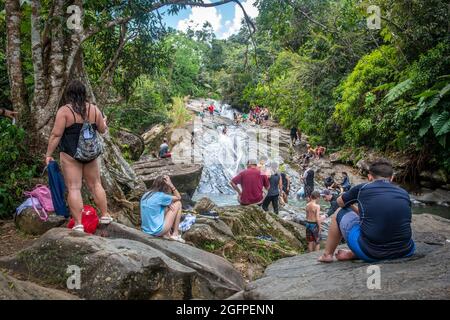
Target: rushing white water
pixel 225 155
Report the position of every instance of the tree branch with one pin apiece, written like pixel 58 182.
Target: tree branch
pixel 106 74
pixel 90 32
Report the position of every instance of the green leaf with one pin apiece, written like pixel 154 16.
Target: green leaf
pixel 439 121
pixel 399 90
pixel 425 128
pixel 443 141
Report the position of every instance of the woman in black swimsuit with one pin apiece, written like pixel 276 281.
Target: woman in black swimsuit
pixel 65 133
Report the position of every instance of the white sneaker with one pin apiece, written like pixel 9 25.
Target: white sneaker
pixel 79 228
pixel 178 239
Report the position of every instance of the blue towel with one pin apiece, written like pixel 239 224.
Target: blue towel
pixel 57 188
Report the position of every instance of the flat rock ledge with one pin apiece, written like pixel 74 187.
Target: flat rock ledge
pixel 424 276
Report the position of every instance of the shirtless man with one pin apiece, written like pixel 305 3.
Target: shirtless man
pixel 313 224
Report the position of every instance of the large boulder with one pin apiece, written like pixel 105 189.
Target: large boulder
pixel 248 237
pixel 424 276
pixel 126 264
pixel 204 205
pixel 29 223
pixel 153 133
pixel 206 233
pixel 434 197
pixel 185 177
pixel 130 144
pixel 154 138
pixel 13 289
pixel 434 179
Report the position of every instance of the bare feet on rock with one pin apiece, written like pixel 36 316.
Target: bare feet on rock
pixel 345 255
pixel 326 258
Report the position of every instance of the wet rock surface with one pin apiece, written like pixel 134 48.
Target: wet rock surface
pixel 434 197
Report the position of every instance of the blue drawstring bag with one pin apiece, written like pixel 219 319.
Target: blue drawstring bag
pixel 58 189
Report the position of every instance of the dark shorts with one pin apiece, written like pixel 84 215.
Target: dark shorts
pixel 312 232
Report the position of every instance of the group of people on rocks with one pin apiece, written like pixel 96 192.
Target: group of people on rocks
pixel 210 109
pixel 313 153
pixel 257 115
pixel 251 182
pixel 374 218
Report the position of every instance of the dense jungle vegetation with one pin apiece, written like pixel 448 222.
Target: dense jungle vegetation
pixel 315 64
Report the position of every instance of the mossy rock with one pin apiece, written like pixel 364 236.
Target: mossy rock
pixel 238 242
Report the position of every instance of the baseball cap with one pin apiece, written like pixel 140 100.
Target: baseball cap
pixel 252 162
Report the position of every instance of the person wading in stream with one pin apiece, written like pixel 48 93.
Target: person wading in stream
pixel 286 181
pixel 308 181
pixel 379 228
pixel 71 121
pixel 252 182
pixel 276 187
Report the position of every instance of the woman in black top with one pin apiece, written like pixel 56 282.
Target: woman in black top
pixel 65 133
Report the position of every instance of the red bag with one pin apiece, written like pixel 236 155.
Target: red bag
pixel 89 219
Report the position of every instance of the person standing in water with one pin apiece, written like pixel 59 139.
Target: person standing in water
pixel 276 187
pixel 308 181
pixel 286 182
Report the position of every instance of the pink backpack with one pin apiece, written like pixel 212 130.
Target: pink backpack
pixel 44 196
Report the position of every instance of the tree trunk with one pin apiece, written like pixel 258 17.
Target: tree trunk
pixel 14 58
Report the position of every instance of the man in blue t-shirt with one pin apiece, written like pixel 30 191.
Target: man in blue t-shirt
pixel 379 227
